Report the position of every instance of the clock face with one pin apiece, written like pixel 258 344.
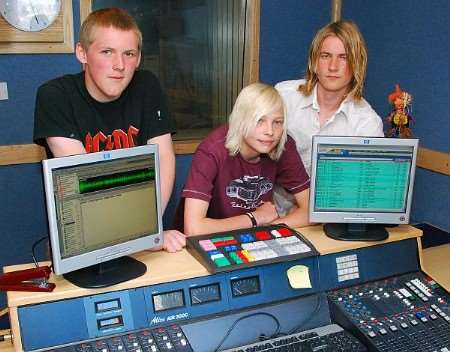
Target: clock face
pixel 30 15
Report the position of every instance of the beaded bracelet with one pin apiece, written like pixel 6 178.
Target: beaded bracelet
pixel 252 218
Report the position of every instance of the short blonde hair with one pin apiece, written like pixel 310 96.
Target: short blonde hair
pixel 253 102
pixel 355 48
pixel 108 17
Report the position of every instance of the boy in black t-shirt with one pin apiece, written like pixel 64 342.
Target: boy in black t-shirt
pixel 109 105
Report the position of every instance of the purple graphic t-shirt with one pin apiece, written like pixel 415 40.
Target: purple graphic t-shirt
pixel 233 186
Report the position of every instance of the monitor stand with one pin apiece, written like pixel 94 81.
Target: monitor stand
pixel 356 232
pixel 107 273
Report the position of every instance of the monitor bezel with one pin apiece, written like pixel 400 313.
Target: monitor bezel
pixel 66 265
pixel 378 217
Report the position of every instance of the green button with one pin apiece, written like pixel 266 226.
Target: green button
pixel 235 258
pixel 222 262
pixel 220 239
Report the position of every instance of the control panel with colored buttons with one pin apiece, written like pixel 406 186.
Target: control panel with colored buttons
pixel 243 248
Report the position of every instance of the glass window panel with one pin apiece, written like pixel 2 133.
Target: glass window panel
pixel 196 48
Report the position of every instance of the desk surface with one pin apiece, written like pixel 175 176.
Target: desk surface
pixel 166 267
pixel 327 245
pixel 6 346
pixel 436 263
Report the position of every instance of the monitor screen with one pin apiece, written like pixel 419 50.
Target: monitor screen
pixel 359 185
pixel 101 207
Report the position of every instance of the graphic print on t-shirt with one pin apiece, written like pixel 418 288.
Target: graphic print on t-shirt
pixel 247 191
pixel 118 139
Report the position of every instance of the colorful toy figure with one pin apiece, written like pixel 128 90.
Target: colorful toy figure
pixel 400 118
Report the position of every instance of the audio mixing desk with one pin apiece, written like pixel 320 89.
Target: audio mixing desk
pixel 178 292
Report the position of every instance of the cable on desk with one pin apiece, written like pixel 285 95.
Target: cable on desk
pixel 33 247
pixel 277 330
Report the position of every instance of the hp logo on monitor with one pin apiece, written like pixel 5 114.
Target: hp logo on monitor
pixel 366 141
pixel 106 156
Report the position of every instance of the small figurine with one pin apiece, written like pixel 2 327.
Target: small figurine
pixel 400 118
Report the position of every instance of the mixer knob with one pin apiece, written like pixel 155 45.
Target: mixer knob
pixel 393 328
pixel 404 325
pixel 419 315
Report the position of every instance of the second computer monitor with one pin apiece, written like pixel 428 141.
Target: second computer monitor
pixel 360 184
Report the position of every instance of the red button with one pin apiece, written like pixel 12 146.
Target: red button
pixel 262 235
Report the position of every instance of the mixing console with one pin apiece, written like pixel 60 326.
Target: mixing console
pixel 243 248
pixel 402 313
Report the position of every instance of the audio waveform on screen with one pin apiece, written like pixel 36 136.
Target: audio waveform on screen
pixel 115 180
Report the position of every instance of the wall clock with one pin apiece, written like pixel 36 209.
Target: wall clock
pixel 36 26
pixel 30 15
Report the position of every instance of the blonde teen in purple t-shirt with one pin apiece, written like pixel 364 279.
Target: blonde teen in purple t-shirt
pixel 230 183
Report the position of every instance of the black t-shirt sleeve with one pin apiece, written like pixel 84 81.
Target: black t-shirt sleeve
pixel 53 116
pixel 158 120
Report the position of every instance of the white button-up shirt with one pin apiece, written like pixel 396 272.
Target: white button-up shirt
pixel 350 119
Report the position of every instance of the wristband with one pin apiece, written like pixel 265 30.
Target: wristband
pixel 252 218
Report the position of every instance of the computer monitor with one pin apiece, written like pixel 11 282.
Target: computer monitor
pixel 360 184
pixel 101 207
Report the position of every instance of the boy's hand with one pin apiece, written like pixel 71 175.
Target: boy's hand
pixel 265 214
pixel 174 241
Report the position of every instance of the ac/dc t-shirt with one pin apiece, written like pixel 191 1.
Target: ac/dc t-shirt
pixel 232 185
pixel 64 108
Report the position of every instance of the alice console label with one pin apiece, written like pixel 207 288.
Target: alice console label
pixel 243 248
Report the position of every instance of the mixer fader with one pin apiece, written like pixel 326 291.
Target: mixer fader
pixel 410 312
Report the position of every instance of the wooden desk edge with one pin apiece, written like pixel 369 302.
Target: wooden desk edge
pixel 165 267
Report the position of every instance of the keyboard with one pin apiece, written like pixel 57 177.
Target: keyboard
pixel 329 338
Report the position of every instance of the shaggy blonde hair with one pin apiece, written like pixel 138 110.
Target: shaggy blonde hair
pixel 109 17
pixel 253 102
pixel 355 48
